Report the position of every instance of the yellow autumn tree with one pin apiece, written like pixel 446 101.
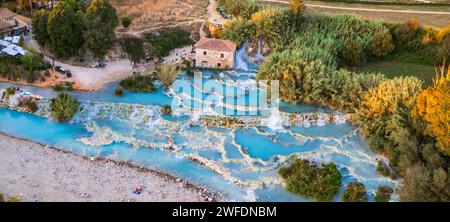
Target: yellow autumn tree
pixel 433 106
pixel 381 103
pixel 297 6
pixel 263 22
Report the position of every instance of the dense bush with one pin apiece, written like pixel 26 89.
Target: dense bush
pixel 119 91
pixel 382 43
pixel 40 21
pixel 355 192
pixel 22 68
pixel 313 82
pixel 236 30
pixel 32 60
pixel 63 86
pixel 65 29
pixel 420 44
pixel 134 48
pixel 70 25
pixel 167 40
pixel 100 22
pixel 28 104
pixel 1 198
pixel 383 194
pixel 406 32
pixel 353 53
pixel 64 107
pixel 166 74
pixel 126 21
pixel 385 116
pixel 380 106
pixel 138 83
pixel 239 8
pixel 433 105
pixel 307 179
pixel 382 168
pixel 166 110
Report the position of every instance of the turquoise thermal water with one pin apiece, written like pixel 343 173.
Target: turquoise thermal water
pixel 241 163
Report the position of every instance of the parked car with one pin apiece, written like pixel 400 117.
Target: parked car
pixel 68 73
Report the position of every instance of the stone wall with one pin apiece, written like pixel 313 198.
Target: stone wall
pixel 214 59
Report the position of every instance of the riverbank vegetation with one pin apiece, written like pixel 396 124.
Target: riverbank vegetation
pixel 29 68
pixel 167 73
pixel 64 107
pixel 166 40
pixel 138 83
pixel 72 27
pixel 355 192
pixel 321 183
pixel 134 48
pixel 311 54
pixel 383 194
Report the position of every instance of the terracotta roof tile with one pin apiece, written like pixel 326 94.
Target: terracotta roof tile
pixel 4 25
pixel 6 13
pixel 216 45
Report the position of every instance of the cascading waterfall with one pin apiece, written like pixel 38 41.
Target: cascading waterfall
pixel 241 57
pixel 275 122
pixel 259 55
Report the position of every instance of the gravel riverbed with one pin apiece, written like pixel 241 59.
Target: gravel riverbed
pixel 34 172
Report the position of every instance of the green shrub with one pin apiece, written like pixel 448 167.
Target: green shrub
pixel 167 40
pixel 58 87
pixel 443 53
pixel 307 179
pixel 355 192
pixel 64 107
pixel 236 30
pixel 239 8
pixel 383 194
pixel 407 31
pixel 134 48
pixel 166 110
pixel 382 43
pixel 119 91
pixel 353 53
pixel 126 21
pixel 29 104
pixel 166 74
pixel 138 83
pixel 384 170
pixel 1 198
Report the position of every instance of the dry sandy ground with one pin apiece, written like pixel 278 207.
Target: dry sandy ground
pixel 33 172
pixel 148 14
pixel 87 78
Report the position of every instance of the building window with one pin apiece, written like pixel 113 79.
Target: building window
pixel 218 64
pixel 204 52
pixel 222 55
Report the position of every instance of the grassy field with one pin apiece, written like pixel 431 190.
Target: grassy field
pixel 393 69
pixel 424 19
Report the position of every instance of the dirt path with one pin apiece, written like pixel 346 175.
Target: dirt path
pixel 214 15
pixel 364 9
